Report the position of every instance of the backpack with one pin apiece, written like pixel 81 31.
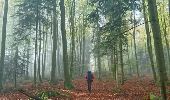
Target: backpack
pixel 89 75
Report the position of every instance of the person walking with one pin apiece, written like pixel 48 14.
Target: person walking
pixel 89 78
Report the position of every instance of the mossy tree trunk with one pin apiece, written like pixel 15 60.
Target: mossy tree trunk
pixel 39 54
pixel 3 43
pixel 121 60
pixel 153 15
pixel 67 81
pixel 149 45
pixel 16 65
pixel 55 30
pixel 72 38
pixel 36 42
pixel 134 41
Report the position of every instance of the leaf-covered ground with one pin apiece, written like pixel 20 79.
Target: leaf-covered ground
pixel 133 89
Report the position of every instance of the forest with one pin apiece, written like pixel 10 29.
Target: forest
pixel 84 49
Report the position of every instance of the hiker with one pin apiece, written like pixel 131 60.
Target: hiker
pixel 89 78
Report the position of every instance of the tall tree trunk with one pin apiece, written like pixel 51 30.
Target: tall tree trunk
pixel 58 58
pixel 166 41
pixel 134 40
pixel 149 45
pixel 3 43
pixel 153 15
pixel 129 62
pixel 67 81
pixel 83 46
pixel 132 55
pixel 117 68
pixel 72 38
pixel 98 51
pixel 43 52
pixel 115 61
pixel 164 27
pixel 80 54
pixel 24 63
pixel 39 55
pixel 36 40
pixel 28 56
pixel 113 65
pixel 98 56
pixel 121 61
pixel 42 55
pixel 53 69
pixel 16 65
pixel 169 14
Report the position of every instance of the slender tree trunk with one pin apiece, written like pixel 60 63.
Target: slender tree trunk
pixel 16 65
pixel 39 55
pixel 43 52
pixel 115 61
pixel 98 56
pixel 53 69
pixel 152 8
pixel 36 40
pixel 117 66
pixel 112 65
pixel 121 61
pixel 80 54
pixel 44 58
pixel 43 49
pixel 28 52
pixel 3 43
pixel 169 14
pixel 83 46
pixel 149 45
pixel 134 40
pixel 129 62
pixel 169 21
pixel 67 81
pixel 24 65
pixel 58 49
pixel 132 55
pixel 98 51
pixel 72 38
pixel 58 58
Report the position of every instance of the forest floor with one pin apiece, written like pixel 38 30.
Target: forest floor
pixel 133 89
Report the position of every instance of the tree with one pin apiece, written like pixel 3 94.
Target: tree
pixel 149 45
pixel 39 54
pixel 134 41
pixel 3 43
pixel 169 12
pixel 16 65
pixel 55 33
pixel 153 15
pixel 121 60
pixel 36 40
pixel 67 81
pixel 72 21
pixel 166 40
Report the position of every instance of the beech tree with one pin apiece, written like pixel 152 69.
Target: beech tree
pixel 3 43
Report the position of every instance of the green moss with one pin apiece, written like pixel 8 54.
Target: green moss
pixel 47 94
pixel 153 97
pixel 68 85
